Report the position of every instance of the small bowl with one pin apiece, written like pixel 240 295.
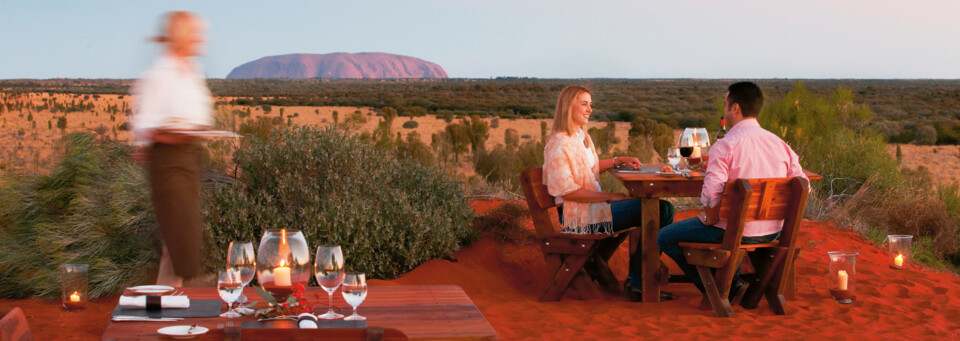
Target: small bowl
pixel 180 332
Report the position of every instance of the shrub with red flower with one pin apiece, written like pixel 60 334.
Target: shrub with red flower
pixel 295 305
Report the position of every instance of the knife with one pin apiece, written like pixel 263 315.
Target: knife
pixel 121 318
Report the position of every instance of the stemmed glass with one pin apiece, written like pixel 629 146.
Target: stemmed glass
pixel 229 286
pixel 673 156
pixel 354 291
pixel 240 257
pixel 687 141
pixel 328 270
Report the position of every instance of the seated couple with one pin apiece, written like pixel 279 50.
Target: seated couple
pixel 571 172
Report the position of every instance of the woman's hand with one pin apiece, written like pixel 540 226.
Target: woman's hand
pixel 628 161
pixel 617 196
pixel 139 155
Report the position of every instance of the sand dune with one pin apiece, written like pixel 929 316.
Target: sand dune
pixel 504 280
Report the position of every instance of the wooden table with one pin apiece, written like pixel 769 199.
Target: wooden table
pixel 649 188
pixel 422 312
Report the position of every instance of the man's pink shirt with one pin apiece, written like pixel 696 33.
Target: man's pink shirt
pixel 748 152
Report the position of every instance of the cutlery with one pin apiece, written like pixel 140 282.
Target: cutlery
pixel 190 331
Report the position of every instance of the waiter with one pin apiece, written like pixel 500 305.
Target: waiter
pixel 171 100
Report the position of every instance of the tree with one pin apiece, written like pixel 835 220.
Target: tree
pixel 660 135
pixel 926 135
pixel 605 138
pixel 543 132
pixel 478 133
pixel 458 137
pixel 62 122
pixel 511 138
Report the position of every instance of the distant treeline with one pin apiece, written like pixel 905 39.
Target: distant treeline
pixel 919 111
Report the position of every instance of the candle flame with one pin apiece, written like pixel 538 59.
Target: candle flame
pixel 283 236
pixel 899 257
pixel 281 263
pixel 76 293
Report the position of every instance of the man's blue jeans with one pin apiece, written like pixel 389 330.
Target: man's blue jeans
pixel 626 214
pixel 693 230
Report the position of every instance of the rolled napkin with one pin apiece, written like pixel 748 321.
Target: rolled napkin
pixel 165 302
pixel 307 321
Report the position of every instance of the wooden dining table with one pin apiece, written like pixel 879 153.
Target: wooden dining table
pixel 422 312
pixel 650 188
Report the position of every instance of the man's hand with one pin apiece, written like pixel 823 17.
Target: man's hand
pixel 709 215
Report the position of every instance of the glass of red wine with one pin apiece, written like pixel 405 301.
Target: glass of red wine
pixel 688 140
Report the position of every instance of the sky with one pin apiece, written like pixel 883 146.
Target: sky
pixel 505 38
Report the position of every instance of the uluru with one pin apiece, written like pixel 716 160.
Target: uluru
pixel 338 65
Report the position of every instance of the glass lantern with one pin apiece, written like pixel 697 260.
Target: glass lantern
pixel 900 247
pixel 283 260
pixel 842 280
pixel 73 285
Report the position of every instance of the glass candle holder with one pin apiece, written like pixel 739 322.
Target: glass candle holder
pixel 842 279
pixel 73 285
pixel 900 247
pixel 283 260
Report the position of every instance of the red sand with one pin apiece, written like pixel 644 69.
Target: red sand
pixel 504 281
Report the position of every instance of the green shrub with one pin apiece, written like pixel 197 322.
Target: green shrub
pixel 503 164
pixel 389 214
pixel 411 124
pixel 93 208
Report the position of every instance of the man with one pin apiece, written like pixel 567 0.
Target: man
pixel 747 151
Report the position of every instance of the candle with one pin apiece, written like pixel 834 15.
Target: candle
pixel 696 152
pixel 281 276
pixel 842 279
pixel 898 261
pixel 75 298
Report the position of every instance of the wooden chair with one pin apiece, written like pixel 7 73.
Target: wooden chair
pixel 13 326
pixel 746 200
pixel 572 259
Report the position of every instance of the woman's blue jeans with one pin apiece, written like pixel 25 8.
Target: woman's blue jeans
pixel 626 214
pixel 694 231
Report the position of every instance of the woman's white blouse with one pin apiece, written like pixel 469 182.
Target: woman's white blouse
pixel 170 95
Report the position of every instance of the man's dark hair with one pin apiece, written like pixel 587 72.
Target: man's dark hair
pixel 748 96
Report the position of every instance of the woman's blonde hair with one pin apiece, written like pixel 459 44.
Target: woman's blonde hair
pixel 173 24
pixel 561 117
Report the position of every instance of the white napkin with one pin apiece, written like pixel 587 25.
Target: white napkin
pixel 307 321
pixel 165 302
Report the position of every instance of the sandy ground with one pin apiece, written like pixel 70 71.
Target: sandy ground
pixel 505 279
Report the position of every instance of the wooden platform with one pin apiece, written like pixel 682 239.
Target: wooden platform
pixel 422 312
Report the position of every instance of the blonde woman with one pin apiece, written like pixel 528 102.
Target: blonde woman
pixel 171 100
pixel 571 171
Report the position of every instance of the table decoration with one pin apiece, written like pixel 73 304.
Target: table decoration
pixel 900 248
pixel 73 286
pixel 283 260
pixel 293 306
pixel 842 279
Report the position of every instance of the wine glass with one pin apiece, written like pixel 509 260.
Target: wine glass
pixel 240 257
pixel 328 270
pixel 354 291
pixel 673 156
pixel 229 286
pixel 687 141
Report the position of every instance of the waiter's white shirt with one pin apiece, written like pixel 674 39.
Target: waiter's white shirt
pixel 170 95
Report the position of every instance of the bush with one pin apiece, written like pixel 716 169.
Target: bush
pixel 389 214
pixel 503 165
pixel 411 124
pixel 505 223
pixel 658 135
pixel 93 208
pixel 926 135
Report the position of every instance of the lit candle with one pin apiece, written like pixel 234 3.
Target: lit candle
pixel 75 297
pixel 281 276
pixel 696 152
pixel 842 279
pixel 898 261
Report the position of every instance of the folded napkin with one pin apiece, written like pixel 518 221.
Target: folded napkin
pixel 307 321
pixel 165 302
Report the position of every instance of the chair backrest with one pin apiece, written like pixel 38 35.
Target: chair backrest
pixel 746 200
pixel 538 200
pixel 13 326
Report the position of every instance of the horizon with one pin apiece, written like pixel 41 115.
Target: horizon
pixel 822 40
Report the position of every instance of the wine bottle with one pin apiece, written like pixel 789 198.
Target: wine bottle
pixel 723 128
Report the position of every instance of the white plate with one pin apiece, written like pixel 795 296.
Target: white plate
pixel 180 332
pixel 151 289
